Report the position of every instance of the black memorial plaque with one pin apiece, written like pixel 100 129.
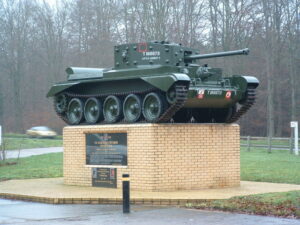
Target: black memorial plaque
pixel 106 149
pixel 104 177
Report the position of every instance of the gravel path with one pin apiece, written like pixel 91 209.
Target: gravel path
pixel 30 152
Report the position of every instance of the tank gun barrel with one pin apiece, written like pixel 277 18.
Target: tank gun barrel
pixel 244 51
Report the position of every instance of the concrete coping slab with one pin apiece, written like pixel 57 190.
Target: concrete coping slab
pixel 52 190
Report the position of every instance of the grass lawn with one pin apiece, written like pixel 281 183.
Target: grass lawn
pixel 285 204
pixel 15 143
pixel 16 135
pixel 277 167
pixel 40 166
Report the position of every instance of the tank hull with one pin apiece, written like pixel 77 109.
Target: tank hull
pixel 198 97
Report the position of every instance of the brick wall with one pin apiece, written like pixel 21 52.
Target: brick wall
pixel 163 157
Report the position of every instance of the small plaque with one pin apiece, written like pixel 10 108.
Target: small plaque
pixel 104 177
pixel 106 149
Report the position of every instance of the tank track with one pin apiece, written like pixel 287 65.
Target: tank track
pixel 246 105
pixel 181 97
pixel 62 116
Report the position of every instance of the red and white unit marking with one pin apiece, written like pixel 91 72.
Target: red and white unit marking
pixel 200 94
pixel 228 95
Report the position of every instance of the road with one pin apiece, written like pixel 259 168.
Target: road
pixel 28 213
pixel 30 152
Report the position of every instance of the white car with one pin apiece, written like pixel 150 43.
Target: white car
pixel 40 132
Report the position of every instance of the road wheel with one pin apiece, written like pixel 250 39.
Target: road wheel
pixel 75 111
pixel 132 108
pixel 153 107
pixel 93 111
pixel 112 109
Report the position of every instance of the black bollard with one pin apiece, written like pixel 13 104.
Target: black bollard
pixel 126 193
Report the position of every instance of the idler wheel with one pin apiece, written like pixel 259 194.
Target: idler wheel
pixel 171 95
pixel 75 111
pixel 132 108
pixel 61 103
pixel 112 109
pixel 152 107
pixel 93 111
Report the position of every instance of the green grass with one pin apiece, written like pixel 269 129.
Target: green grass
pixel 277 167
pixel 16 135
pixel 286 204
pixel 41 166
pixel 256 165
pixel 23 143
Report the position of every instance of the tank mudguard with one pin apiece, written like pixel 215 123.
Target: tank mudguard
pixel 166 81
pixel 242 82
pixel 55 89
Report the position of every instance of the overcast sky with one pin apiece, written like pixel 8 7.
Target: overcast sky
pixel 51 2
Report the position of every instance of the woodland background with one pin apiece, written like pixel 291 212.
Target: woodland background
pixel 38 41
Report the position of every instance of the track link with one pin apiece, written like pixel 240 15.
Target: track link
pixel 250 100
pixel 181 97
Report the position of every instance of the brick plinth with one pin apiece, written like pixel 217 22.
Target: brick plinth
pixel 163 157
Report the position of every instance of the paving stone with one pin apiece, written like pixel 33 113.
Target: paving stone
pixel 52 190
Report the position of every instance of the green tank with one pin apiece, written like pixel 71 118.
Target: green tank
pixel 154 82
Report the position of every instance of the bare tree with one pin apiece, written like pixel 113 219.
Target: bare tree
pixel 293 41
pixel 38 41
pixel 52 23
pixel 17 28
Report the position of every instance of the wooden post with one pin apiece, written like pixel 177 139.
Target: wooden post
pixel 248 143
pixel 291 143
pixel 269 144
pixel 294 124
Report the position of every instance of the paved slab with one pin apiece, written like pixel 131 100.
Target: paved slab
pixel 27 213
pixel 32 151
pixel 53 190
